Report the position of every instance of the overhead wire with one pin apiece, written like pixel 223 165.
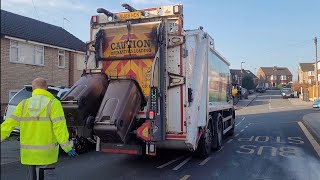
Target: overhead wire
pixel 35 9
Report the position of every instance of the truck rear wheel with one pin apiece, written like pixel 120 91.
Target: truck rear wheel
pixel 218 132
pixel 231 131
pixel 205 143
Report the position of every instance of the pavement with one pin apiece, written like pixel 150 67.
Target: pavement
pixel 299 102
pixel 312 123
pixel 245 102
pixel 268 143
pixel 312 120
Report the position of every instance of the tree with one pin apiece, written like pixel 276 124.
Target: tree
pixel 247 82
pixel 280 86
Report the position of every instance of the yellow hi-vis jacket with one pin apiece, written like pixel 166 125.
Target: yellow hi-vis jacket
pixel 234 91
pixel 42 128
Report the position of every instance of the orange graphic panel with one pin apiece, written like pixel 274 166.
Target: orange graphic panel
pixel 140 70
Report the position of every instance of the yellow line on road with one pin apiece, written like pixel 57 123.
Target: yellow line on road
pixel 313 142
pixel 185 177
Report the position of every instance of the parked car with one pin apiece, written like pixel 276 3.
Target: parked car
pixel 251 91
pixel 26 92
pixel 260 89
pixel 244 93
pixel 316 104
pixel 286 93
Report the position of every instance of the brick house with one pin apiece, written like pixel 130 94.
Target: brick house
pixel 271 77
pixel 31 48
pixel 236 76
pixel 306 74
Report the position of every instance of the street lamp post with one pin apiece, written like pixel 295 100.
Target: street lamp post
pixel 241 73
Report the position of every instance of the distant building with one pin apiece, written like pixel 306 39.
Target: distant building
pixel 31 48
pixel 236 76
pixel 306 73
pixel 271 77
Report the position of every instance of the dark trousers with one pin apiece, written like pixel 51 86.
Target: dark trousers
pixel 34 172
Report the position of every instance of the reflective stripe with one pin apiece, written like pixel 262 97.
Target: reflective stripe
pixel 41 147
pixel 49 107
pixel 15 117
pixel 34 119
pixel 66 144
pixel 22 109
pixel 58 119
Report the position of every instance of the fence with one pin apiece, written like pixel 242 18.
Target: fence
pixel 312 93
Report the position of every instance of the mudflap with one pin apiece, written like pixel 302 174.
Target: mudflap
pixel 121 148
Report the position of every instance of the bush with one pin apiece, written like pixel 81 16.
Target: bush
pixel 280 86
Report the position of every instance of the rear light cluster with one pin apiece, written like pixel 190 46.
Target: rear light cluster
pixel 94 19
pixel 151 114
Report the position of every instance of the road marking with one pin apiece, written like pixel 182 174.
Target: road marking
pixel 185 177
pixel 229 140
pixel 220 148
pixel 205 161
pixel 270 103
pixel 242 130
pixel 181 164
pixel 241 121
pixel 246 126
pixel 170 162
pixel 236 135
pixel 313 142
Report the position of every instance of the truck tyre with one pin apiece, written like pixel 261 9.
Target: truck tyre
pixel 231 131
pixel 218 132
pixel 205 143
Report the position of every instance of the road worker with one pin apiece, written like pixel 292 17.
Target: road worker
pixel 42 128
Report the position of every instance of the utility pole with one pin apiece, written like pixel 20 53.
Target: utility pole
pixel 241 73
pixel 316 68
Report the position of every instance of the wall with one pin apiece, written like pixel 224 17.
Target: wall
pixel 15 75
pixel 79 66
pixel 261 77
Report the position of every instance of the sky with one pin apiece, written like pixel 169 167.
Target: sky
pixel 259 33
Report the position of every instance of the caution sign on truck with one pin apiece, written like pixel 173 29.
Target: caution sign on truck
pixel 131 51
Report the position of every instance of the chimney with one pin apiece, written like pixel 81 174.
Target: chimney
pixel 275 68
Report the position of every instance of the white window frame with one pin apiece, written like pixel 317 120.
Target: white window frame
pixel 14 46
pixel 41 51
pixel 64 58
pixel 311 73
pixel 35 46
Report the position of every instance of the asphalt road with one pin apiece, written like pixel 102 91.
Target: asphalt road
pixel 268 144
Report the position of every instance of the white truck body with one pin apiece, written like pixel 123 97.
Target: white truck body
pixel 192 77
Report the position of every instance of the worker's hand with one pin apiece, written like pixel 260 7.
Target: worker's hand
pixel 72 153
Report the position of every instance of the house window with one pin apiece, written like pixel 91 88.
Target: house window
pixel 61 58
pixel 39 55
pixel 311 73
pixel 283 77
pixel 26 53
pixel 14 51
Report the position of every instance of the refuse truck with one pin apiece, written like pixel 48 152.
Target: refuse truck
pixel 160 86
